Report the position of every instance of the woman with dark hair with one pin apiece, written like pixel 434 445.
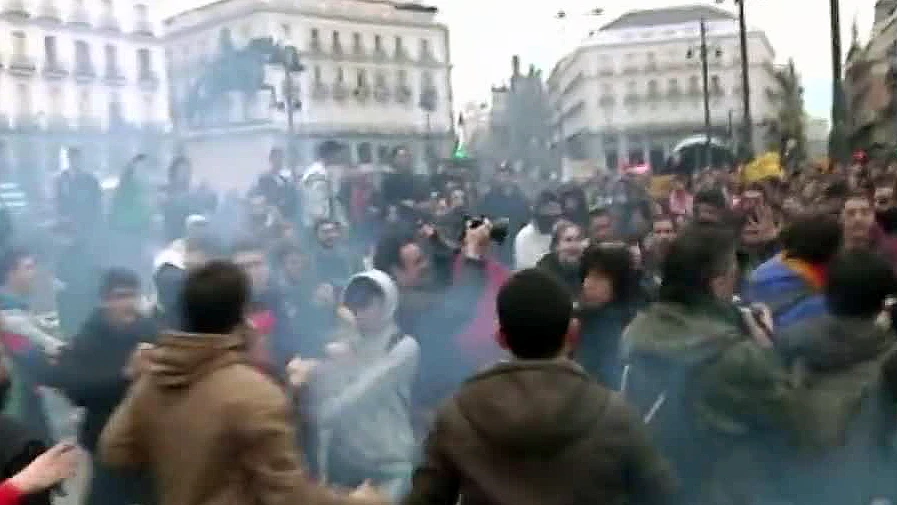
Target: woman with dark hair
pixel 610 298
pixel 565 259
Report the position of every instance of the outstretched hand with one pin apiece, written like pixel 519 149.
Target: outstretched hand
pixel 50 468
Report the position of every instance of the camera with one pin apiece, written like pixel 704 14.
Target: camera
pixel 499 231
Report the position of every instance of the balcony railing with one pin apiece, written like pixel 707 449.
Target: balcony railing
pixel 401 54
pixel 22 65
pixel 49 11
pixel 340 91
pixel 381 93
pixel 606 72
pixel 319 91
pixel 79 17
pixel 403 94
pixel 55 70
pixel 27 121
pixel 114 76
pixel 428 58
pixel 144 28
pixel 15 8
pixel 607 101
pixel 362 93
pixel 85 72
pixel 57 122
pixel 358 51
pixel 148 80
pixel 380 54
pixel 109 23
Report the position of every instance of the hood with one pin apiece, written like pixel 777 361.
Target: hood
pixel 498 405
pixel 180 359
pixel 831 343
pixel 687 334
pixel 386 284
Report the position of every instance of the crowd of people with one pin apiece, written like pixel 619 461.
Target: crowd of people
pixel 343 336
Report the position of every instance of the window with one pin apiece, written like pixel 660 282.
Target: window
pixel 356 41
pixel 631 87
pixel 19 44
pixel 337 45
pixel 111 59
pixel 400 46
pixel 144 62
pixel 694 83
pixel 315 41
pixel 653 88
pixel 715 82
pixel 380 79
pixel 286 30
pixel 141 13
pixel 378 42
pixel 149 107
pixel 316 71
pixel 82 55
pixel 361 78
pixel 402 77
pixel 50 52
pixel 607 90
pixel 115 109
pixel 340 75
pixel 425 49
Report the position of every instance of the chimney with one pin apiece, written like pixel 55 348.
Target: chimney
pixel 515 65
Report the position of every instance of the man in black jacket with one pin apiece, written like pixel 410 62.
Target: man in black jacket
pixel 91 372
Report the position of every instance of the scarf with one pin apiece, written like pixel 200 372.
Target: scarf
pixel 476 341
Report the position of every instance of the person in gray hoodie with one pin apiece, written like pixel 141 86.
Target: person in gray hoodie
pixel 362 393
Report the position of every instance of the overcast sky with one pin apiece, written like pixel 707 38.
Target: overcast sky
pixel 486 33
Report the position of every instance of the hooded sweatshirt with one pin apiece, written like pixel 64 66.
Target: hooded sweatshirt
pixel 538 433
pixel 211 427
pixel 364 400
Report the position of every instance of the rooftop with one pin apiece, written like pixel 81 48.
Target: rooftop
pixel 399 5
pixel 668 16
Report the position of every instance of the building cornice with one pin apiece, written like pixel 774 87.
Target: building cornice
pixel 78 29
pixel 217 19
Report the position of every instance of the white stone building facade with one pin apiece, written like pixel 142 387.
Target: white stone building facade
pixel 634 88
pixel 376 76
pixel 88 73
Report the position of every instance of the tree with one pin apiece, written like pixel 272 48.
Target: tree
pixel 785 131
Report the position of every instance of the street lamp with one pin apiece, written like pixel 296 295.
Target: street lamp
pixel 836 140
pixel 748 132
pixel 705 78
pixel 287 58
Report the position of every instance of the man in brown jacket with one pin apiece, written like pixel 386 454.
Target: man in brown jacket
pixel 537 430
pixel 212 428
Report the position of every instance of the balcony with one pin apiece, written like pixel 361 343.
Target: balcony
pixel 380 54
pixel 340 91
pixel 381 93
pixel 403 94
pixel 114 76
pixel 54 70
pixel 49 12
pixel 606 72
pixel 15 8
pixel 631 69
pixel 631 98
pixel 22 65
pixel 148 80
pixel 57 122
pixel 144 28
pixel 109 23
pixel 427 58
pixel 85 73
pixel 358 51
pixel 89 123
pixel 80 17
pixel 362 93
pixel 27 121
pixel 401 55
pixel 337 50
pixel 429 97
pixel 607 101
pixel 651 67
pixel 319 91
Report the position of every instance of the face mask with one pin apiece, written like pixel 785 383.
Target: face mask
pixel 545 223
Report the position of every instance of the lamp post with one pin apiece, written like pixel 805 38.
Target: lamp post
pixel 287 58
pixel 836 140
pixel 748 123
pixel 705 78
